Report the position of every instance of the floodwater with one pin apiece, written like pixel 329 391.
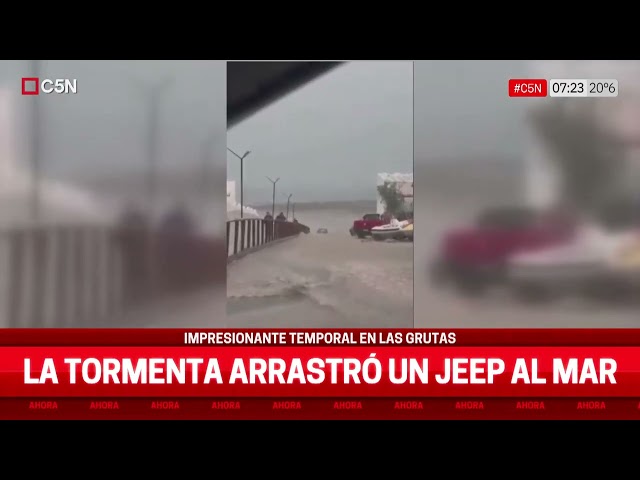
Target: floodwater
pixel 324 280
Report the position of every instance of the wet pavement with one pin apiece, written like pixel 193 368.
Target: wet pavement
pixel 323 280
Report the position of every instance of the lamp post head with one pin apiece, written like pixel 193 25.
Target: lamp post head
pixel 246 153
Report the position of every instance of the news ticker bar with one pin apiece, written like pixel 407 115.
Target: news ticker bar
pixel 467 337
pixel 566 88
pixel 320 409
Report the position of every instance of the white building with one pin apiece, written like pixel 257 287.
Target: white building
pixel 404 184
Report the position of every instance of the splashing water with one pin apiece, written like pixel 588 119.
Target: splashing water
pixel 60 202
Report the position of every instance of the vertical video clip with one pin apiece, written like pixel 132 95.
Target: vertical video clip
pixel 527 209
pixel 111 211
pixel 320 194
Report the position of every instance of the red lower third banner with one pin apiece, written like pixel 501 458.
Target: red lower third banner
pixel 319 374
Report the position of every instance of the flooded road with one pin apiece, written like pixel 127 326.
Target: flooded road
pixel 323 280
pixel 335 280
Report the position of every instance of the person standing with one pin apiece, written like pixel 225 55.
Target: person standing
pixel 133 229
pixel 179 258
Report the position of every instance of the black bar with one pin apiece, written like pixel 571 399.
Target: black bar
pixel 39 237
pixel 96 257
pixel 79 274
pixel 261 231
pixel 235 237
pixel 254 225
pixel 61 276
pixel 16 257
pixel 242 234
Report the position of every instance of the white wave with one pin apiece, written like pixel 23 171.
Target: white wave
pixel 60 202
pixel 233 211
pixel 233 207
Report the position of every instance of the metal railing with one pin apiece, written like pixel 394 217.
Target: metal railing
pixel 85 276
pixel 249 233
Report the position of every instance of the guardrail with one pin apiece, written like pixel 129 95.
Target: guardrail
pixel 251 233
pixel 83 276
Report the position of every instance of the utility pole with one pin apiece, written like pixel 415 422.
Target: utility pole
pixel 153 96
pixel 288 203
pixel 241 178
pixel 207 147
pixel 152 145
pixel 273 208
pixel 36 147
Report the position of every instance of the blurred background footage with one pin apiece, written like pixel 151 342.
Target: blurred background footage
pixel 112 198
pixel 527 210
pixel 323 154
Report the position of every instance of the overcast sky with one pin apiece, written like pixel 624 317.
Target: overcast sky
pixel 103 127
pixel 329 139
pixel 463 110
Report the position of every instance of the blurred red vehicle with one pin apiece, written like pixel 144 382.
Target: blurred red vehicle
pixel 475 258
pixel 362 227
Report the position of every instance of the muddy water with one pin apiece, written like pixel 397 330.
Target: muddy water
pixel 323 280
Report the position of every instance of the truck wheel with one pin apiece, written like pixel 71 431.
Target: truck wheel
pixel 438 274
pixel 500 274
pixel 607 291
pixel 470 284
pixel 533 292
pixel 360 234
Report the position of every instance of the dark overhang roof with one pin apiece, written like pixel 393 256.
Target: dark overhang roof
pixel 252 86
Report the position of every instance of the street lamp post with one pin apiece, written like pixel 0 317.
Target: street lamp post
pixel 241 178
pixel 153 96
pixel 293 211
pixel 273 208
pixel 36 154
pixel 207 148
pixel 288 203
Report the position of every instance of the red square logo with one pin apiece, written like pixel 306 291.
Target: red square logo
pixel 30 86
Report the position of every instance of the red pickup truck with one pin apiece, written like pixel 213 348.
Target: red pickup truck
pixel 361 228
pixel 474 258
